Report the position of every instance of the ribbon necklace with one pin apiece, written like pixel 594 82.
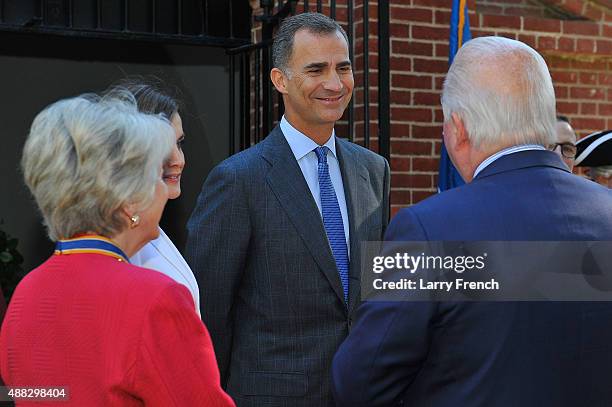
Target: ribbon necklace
pixel 90 244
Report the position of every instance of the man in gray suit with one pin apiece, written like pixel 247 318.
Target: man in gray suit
pixel 274 240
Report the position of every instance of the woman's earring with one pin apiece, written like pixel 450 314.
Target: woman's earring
pixel 135 220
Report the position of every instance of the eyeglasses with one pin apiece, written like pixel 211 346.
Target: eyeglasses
pixel 568 150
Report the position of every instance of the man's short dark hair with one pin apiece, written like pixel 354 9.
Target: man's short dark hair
pixel 315 23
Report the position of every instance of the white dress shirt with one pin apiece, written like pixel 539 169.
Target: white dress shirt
pixel 161 255
pixel 506 151
pixel 303 147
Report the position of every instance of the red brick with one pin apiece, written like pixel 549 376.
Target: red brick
pixel 401 97
pixel 605 79
pixel 573 6
pixel 591 65
pixel 439 82
pixel 442 17
pixel 589 124
pixel 422 164
pixel 588 109
pixel 433 3
pixel 427 132
pixel 607 31
pixel 418 196
pixel 588 78
pixel 410 81
pixel 442 50
pixel 541 24
pixel 358 63
pixel 400 164
pixel 411 181
pixel 581 27
pixel 593 12
pixel 564 77
pixel 429 33
pixel 520 11
pixel 411 14
pixel 400 196
pixel 557 63
pixel 583 45
pixel 546 43
pixel 438 115
pixel 566 44
pixel 587 93
pixel 401 30
pixel 411 114
pixel 490 9
pixel 411 147
pixel 426 98
pixel 561 92
pixel 481 33
pixel 501 21
pixel 528 39
pixel 400 130
pixel 604 47
pixel 566 108
pixel 401 64
pixel 411 48
pixel 511 35
pixel 605 110
pixel 430 65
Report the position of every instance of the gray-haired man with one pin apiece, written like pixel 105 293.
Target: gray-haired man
pixel 274 239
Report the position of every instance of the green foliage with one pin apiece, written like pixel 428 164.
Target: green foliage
pixel 11 260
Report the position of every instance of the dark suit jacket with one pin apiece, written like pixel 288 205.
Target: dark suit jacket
pixel 270 291
pixel 488 354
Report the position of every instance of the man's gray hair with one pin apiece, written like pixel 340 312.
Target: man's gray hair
pixel 87 157
pixel 315 23
pixel 503 92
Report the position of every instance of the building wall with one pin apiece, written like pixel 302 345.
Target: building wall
pixel 37 71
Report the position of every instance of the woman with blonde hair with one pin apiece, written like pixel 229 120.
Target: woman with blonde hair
pixel 108 332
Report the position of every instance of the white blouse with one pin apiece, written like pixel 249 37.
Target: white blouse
pixel 161 255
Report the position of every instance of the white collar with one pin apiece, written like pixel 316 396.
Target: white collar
pixel 300 143
pixel 505 151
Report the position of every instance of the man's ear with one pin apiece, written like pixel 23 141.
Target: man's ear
pixel 462 138
pixel 279 80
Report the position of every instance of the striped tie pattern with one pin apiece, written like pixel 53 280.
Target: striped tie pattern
pixel 332 219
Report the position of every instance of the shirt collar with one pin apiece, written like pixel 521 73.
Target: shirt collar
pixel 300 143
pixel 505 151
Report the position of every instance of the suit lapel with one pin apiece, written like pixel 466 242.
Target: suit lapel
pixel 355 178
pixel 290 188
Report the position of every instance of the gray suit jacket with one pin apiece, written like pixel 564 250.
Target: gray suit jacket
pixel 270 291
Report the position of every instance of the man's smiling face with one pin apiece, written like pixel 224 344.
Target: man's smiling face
pixel 319 80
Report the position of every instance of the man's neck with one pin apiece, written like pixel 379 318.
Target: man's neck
pixel 319 134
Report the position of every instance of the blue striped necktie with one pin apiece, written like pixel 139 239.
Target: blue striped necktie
pixel 332 220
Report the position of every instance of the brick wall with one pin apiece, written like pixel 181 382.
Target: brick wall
pixel 574 36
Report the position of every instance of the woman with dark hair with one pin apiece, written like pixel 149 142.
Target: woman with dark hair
pixel 161 254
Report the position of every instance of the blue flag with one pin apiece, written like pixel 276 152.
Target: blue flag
pixel 459 34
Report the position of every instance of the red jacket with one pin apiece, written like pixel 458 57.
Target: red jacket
pixel 112 333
